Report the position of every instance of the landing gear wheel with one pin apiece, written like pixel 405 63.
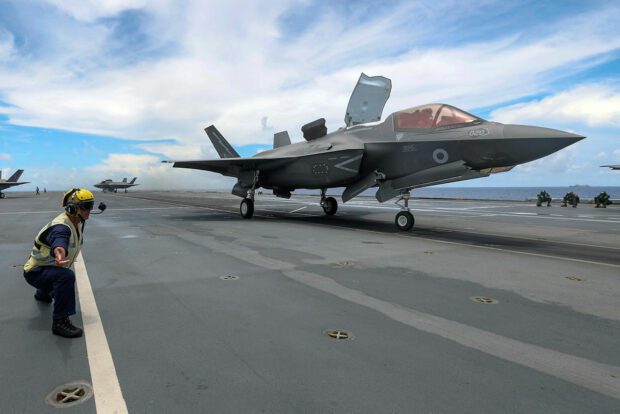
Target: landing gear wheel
pixel 404 220
pixel 246 208
pixel 330 206
pixel 2 195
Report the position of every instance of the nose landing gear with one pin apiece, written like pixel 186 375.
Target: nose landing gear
pixel 404 220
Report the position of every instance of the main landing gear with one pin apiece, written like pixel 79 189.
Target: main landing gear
pixel 246 208
pixel 329 204
pixel 2 195
pixel 404 219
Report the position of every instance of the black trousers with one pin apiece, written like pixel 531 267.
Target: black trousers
pixel 60 283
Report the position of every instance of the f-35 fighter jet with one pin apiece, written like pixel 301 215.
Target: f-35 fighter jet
pixel 416 147
pixel 113 186
pixel 11 182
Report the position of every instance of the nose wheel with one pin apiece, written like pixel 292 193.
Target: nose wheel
pixel 404 219
pixel 246 208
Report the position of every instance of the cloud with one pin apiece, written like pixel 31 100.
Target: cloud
pixel 565 161
pixel 6 45
pixel 592 104
pixel 601 154
pixel 5 156
pixel 90 10
pixel 239 71
pixel 153 175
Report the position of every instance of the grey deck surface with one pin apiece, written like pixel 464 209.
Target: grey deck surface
pixel 184 340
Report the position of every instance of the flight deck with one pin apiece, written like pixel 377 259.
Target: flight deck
pixel 483 307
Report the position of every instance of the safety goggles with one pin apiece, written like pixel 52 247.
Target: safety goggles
pixel 86 205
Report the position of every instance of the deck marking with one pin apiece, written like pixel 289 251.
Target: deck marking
pixel 595 376
pixel 300 208
pixel 106 388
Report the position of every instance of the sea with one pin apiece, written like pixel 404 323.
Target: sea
pixel 584 192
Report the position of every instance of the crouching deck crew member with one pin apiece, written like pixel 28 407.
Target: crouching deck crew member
pixel 55 248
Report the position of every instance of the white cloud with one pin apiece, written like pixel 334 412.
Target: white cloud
pixel 592 104
pixel 237 70
pixel 89 10
pixel 154 175
pixel 7 47
pixel 601 154
pixel 5 157
pixel 565 161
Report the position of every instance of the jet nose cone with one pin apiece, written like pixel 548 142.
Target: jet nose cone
pixel 525 131
pixel 530 143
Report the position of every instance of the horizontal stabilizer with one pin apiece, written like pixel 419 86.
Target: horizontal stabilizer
pixel 281 139
pixel 15 176
pixel 223 148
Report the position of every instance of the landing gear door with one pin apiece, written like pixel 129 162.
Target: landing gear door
pixel 367 100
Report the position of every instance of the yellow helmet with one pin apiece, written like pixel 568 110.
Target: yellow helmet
pixel 78 198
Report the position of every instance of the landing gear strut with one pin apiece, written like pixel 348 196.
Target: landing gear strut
pixel 329 204
pixel 404 219
pixel 246 208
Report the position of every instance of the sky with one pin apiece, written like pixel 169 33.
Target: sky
pixel 98 89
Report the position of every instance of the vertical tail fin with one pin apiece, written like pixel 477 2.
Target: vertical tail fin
pixel 223 148
pixel 15 176
pixel 125 179
pixel 134 180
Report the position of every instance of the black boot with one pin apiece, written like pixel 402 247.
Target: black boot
pixel 64 327
pixel 42 297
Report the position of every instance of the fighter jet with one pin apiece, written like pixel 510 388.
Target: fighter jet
pixel 613 167
pixel 11 182
pixel 112 186
pixel 412 148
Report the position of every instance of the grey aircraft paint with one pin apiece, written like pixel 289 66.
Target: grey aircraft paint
pixel 416 147
pixel 11 182
pixel 113 186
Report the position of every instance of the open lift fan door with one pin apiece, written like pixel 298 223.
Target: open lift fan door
pixel 367 100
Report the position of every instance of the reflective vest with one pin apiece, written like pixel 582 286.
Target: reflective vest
pixel 41 254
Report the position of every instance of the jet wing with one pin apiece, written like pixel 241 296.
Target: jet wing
pixel 448 173
pixel 367 100
pixel 232 166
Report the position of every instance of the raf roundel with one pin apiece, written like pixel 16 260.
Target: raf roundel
pixel 440 156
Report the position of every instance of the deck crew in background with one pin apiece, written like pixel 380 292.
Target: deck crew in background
pixel 55 248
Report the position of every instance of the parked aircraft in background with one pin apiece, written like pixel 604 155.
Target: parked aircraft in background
pixel 11 182
pixel 113 186
pixel 416 147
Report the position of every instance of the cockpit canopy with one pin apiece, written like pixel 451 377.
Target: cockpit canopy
pixel 432 116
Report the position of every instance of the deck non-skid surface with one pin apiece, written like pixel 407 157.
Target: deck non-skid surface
pixel 184 339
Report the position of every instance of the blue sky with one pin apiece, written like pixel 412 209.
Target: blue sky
pixel 96 89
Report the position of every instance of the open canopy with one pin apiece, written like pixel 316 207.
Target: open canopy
pixel 432 116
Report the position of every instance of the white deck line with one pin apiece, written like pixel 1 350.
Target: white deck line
pixel 106 388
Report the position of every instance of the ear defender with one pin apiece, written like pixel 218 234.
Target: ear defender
pixel 70 205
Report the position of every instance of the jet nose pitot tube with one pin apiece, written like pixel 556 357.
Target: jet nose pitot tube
pixel 530 143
